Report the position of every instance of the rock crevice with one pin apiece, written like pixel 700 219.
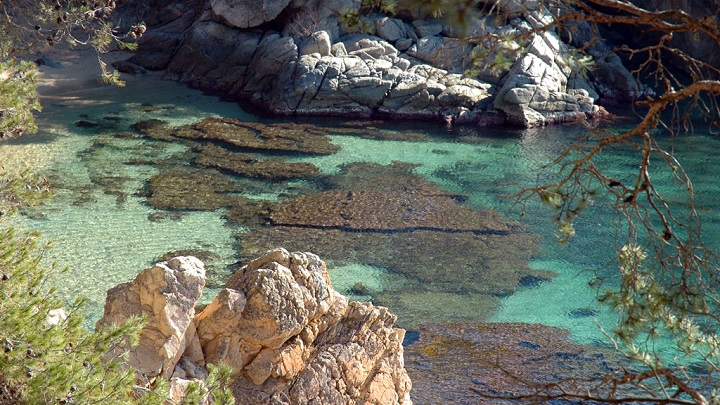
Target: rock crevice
pixel 409 70
pixel 290 337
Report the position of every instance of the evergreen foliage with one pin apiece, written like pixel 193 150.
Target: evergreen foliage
pixel 27 26
pixel 18 96
pixel 46 355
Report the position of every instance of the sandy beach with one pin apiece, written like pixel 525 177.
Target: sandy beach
pixel 73 69
pixel 69 71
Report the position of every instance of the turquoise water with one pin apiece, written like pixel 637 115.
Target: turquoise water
pixel 105 231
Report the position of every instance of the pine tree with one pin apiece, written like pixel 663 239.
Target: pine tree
pixel 46 355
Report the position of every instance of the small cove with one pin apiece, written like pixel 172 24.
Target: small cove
pixel 106 232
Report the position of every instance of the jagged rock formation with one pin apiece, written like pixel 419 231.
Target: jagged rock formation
pixel 167 294
pixel 306 62
pixel 290 336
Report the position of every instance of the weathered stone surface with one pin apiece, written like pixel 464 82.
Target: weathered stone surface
pixel 289 335
pixel 248 13
pixel 427 28
pixel 318 42
pixel 247 165
pixel 214 56
pixel 271 59
pixel 312 66
pixel 166 294
pixel 445 53
pixel 459 95
pixel 155 55
pixel 610 79
pixel 296 340
pixel 453 363
pixel 390 29
pixel 192 189
pixel 535 91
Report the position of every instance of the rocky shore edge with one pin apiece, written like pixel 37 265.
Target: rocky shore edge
pixel 292 339
pixel 299 58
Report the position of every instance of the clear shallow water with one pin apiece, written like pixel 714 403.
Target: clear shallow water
pixel 103 230
pixel 106 233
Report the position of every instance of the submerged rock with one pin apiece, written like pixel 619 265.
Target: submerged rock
pixel 456 363
pixel 192 189
pixel 278 137
pixel 397 176
pixel 391 218
pixel 284 137
pixel 155 129
pixel 420 307
pixel 380 211
pixel 250 166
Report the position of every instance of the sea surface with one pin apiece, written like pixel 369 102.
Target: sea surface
pixel 105 232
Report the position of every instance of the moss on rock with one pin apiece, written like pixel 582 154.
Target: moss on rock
pixel 193 189
pixel 248 165
pixel 453 363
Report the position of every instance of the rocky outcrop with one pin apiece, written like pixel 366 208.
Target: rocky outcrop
pixel 247 13
pixel 536 87
pixel 166 294
pixel 291 338
pixel 310 63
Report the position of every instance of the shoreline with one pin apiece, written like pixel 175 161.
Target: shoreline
pixel 73 69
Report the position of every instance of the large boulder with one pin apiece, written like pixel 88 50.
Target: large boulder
pixel 166 294
pixel 536 92
pixel 248 13
pixel 293 339
pixel 289 335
